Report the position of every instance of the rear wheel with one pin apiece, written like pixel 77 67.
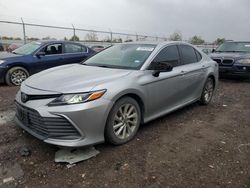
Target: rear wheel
pixel 207 92
pixel 16 75
pixel 123 121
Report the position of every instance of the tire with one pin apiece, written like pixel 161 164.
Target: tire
pixel 16 75
pixel 207 92
pixel 121 129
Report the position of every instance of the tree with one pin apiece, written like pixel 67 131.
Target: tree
pixel 91 36
pixel 32 38
pixel 74 38
pixel 219 41
pixel 65 38
pixel 176 36
pixel 46 38
pixel 196 40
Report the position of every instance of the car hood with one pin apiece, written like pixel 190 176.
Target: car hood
pixel 73 78
pixel 232 55
pixel 5 55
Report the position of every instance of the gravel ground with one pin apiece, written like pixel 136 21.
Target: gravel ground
pixel 197 146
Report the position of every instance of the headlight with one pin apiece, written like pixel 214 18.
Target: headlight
pixel 244 61
pixel 2 61
pixel 77 98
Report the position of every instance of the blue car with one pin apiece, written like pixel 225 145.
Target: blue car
pixel 34 57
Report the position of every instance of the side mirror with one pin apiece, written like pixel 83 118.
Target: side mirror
pixel 39 54
pixel 159 67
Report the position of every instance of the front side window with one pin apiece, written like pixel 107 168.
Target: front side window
pixel 188 54
pixel 168 55
pixel 74 48
pixel 123 56
pixel 53 49
pixel 27 48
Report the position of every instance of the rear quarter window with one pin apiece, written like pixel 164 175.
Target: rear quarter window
pixel 188 54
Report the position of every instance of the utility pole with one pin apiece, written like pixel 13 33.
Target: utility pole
pixel 74 33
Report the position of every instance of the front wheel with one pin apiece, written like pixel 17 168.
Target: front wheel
pixel 123 121
pixel 207 92
pixel 16 75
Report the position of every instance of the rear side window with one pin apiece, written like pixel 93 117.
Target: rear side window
pixel 74 48
pixel 188 54
pixel 169 55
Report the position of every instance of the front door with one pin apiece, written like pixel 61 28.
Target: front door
pixel 53 57
pixel 164 92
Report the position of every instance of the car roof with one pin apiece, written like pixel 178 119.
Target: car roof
pixel 239 41
pixel 56 41
pixel 158 43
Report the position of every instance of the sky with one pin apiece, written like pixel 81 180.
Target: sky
pixel 209 19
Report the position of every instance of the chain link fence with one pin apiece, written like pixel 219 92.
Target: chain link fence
pixel 92 37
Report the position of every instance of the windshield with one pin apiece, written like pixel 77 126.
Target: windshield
pixel 27 48
pixel 123 56
pixel 234 47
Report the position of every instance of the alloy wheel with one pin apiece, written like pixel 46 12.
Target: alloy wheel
pixel 208 92
pixel 18 76
pixel 125 121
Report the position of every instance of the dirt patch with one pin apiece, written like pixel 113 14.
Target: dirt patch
pixel 197 146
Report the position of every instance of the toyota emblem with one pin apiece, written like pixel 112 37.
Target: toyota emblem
pixel 24 97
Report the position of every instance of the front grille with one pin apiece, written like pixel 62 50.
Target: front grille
pixel 39 97
pixel 218 61
pixel 227 62
pixel 224 62
pixel 46 127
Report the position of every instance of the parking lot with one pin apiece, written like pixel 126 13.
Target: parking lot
pixel 198 146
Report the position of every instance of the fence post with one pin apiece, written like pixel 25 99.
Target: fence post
pixel 74 32
pixel 111 37
pixel 24 33
pixel 136 35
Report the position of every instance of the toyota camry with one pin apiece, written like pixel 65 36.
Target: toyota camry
pixel 107 97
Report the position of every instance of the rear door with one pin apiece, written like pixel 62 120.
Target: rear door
pixel 74 53
pixel 193 71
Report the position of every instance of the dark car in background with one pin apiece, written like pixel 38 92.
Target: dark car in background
pixel 233 58
pixel 34 57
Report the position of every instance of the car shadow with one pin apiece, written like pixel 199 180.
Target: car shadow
pixel 235 79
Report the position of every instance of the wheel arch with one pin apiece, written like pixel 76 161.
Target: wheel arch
pixel 137 96
pixel 17 64
pixel 213 78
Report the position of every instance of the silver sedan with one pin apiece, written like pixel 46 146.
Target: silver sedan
pixel 111 94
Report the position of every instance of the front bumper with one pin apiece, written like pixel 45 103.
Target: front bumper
pixel 3 71
pixel 236 69
pixel 87 121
